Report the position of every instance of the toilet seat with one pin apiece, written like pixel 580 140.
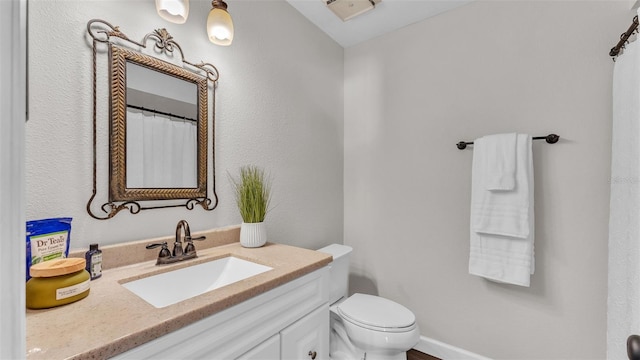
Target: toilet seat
pixel 376 313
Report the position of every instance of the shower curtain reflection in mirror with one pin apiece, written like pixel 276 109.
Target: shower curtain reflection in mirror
pixel 161 141
pixel 161 151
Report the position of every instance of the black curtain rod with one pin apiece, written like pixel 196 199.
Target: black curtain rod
pixel 551 139
pixel 624 37
pixel 161 112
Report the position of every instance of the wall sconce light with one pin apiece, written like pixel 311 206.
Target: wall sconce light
pixel 219 24
pixel 175 11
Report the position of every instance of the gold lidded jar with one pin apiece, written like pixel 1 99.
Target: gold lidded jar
pixel 57 282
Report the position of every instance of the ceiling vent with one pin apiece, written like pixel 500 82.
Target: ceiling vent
pixel 348 9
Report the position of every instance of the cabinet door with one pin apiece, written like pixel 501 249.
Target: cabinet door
pixel 268 350
pixel 307 338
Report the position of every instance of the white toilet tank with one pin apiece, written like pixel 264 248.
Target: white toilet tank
pixel 339 271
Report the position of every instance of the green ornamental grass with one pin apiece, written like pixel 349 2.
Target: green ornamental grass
pixel 252 193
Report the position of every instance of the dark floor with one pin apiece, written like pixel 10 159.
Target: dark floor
pixel 417 355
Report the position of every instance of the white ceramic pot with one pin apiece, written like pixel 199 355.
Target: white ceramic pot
pixel 253 234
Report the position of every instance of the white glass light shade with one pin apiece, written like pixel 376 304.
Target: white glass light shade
pixel 175 11
pixel 220 27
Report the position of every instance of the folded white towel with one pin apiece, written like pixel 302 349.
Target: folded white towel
pixel 502 222
pixel 502 259
pixel 500 157
pixel 502 212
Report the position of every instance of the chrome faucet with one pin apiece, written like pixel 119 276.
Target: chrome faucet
pixel 178 254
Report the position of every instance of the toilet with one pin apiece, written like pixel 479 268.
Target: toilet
pixel 365 326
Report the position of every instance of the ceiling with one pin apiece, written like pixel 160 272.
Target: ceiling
pixel 387 16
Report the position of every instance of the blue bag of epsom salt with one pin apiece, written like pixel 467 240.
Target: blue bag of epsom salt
pixel 47 239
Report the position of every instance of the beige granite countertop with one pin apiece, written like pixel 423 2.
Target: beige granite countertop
pixel 112 320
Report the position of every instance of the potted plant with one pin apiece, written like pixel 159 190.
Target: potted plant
pixel 253 191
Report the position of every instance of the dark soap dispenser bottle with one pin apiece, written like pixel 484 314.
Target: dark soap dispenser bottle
pixel 94 261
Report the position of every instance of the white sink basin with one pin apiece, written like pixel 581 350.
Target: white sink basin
pixel 174 286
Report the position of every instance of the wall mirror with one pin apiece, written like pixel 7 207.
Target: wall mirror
pixel 158 124
pixel 161 130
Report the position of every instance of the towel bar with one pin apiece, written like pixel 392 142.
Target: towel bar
pixel 551 139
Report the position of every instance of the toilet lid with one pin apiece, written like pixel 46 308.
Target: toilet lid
pixel 376 311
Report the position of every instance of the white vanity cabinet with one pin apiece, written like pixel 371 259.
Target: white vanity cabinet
pixel 268 350
pixel 288 322
pixel 307 338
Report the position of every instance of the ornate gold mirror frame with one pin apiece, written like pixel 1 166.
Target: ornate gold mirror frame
pixel 121 52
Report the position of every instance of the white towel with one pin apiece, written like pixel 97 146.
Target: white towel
pixel 502 212
pixel 500 156
pixel 502 222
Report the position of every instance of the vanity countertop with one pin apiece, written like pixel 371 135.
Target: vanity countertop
pixel 112 320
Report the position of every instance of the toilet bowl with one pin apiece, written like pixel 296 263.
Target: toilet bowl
pixel 375 326
pixel 365 326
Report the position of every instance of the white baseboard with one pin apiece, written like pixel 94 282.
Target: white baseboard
pixel 445 351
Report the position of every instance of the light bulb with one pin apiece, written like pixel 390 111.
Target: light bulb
pixel 220 33
pixel 219 24
pixel 175 11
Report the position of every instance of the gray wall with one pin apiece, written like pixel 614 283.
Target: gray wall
pixel 278 105
pixel 489 67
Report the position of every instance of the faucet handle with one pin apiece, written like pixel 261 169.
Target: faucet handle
pixel 164 252
pixel 190 249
